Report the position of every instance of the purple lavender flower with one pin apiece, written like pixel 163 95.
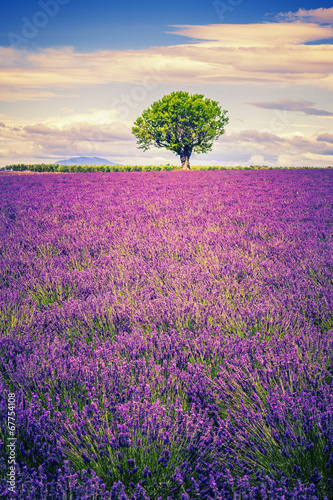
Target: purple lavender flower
pixel 172 332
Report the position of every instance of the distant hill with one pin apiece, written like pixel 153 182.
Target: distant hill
pixel 83 160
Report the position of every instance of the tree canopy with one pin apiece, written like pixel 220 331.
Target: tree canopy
pixel 181 122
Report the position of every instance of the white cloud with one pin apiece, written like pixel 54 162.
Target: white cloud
pixel 255 35
pixel 320 15
pixel 265 53
pixel 80 134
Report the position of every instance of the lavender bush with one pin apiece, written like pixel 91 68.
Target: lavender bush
pixel 168 335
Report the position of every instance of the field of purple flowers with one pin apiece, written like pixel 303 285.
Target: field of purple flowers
pixel 167 335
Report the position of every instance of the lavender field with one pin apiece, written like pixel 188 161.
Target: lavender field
pixel 167 335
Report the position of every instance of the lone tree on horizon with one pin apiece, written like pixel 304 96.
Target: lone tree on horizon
pixel 181 122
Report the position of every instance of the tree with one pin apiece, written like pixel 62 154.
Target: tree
pixel 181 122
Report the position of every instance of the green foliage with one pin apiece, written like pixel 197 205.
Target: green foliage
pixel 182 123
pixel 21 167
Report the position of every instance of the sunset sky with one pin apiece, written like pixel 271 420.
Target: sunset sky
pixel 76 74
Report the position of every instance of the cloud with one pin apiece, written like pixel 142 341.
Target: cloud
pixel 254 53
pixel 253 136
pixel 292 150
pixel 81 134
pixel 11 93
pixel 320 15
pixel 325 138
pixel 254 35
pixel 306 107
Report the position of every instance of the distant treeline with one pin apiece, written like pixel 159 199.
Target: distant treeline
pixel 42 167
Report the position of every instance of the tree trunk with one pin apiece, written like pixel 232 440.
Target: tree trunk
pixel 185 160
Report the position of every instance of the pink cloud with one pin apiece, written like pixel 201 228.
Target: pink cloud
pixel 320 15
pixel 325 138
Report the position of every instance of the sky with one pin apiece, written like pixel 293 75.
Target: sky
pixel 75 75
